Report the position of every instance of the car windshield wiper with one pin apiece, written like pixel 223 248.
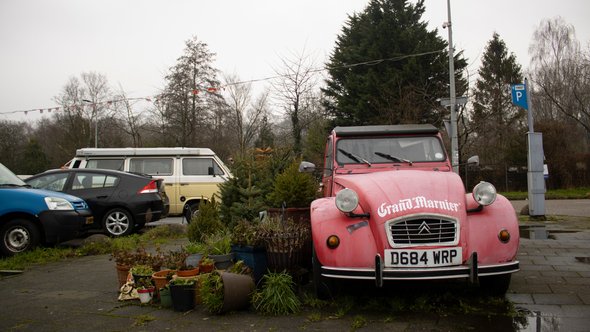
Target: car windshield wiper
pixel 14 185
pixel 354 157
pixel 393 158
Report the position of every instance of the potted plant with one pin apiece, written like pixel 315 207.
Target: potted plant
pixel 145 290
pixel 293 192
pixel 141 272
pixel 182 292
pixel 206 264
pixel 247 246
pixel 165 296
pixel 177 262
pixel 162 278
pixel 224 291
pixel 195 251
pixel 286 244
pixel 219 249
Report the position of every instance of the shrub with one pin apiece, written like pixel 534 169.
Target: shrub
pixel 293 188
pixel 276 296
pixel 206 223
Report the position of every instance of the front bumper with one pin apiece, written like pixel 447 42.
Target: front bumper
pixel 61 226
pixel 470 270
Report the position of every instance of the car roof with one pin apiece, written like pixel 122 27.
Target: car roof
pixel 95 170
pixel 386 130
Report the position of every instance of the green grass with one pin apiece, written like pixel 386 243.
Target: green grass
pixel 574 193
pixel 43 255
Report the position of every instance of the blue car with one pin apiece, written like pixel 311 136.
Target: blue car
pixel 29 217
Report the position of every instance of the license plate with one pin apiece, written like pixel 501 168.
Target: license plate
pixel 89 220
pixel 423 258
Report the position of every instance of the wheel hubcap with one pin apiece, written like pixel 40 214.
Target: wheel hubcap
pixel 117 223
pixel 17 239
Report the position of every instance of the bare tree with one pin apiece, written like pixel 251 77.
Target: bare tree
pixel 561 73
pixel 295 91
pixel 131 123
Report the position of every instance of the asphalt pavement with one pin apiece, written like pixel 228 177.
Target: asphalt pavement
pixel 81 294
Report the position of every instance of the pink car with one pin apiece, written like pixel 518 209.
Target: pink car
pixel 394 210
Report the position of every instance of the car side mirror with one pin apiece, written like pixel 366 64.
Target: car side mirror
pixel 473 161
pixel 306 167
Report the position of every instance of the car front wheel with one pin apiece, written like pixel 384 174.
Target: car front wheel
pixel 495 285
pixel 118 222
pixel 18 235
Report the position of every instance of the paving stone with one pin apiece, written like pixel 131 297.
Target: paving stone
pixel 556 299
pixel 531 289
pixel 573 274
pixel 544 280
pixel 578 281
pixel 576 310
pixel 520 298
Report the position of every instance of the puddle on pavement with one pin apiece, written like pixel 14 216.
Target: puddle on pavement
pixel 535 321
pixel 534 232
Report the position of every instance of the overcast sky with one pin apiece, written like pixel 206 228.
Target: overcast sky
pixel 133 43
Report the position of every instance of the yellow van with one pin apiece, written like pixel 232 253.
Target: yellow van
pixel 190 174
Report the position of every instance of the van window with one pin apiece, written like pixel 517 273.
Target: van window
pixel 200 166
pixel 151 166
pixel 116 164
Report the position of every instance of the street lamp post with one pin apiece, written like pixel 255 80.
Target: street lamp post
pixel 95 115
pixel 454 137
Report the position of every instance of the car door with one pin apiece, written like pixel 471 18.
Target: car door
pixel 97 189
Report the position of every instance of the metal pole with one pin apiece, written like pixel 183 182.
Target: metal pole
pixel 95 126
pixel 530 107
pixel 454 138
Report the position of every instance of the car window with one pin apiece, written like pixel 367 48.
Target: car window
pixel 93 181
pixel 151 166
pixel 382 149
pixel 55 182
pixel 116 164
pixel 200 166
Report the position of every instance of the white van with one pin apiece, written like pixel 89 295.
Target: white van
pixel 190 174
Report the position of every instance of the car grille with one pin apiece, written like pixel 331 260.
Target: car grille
pixel 423 230
pixel 79 205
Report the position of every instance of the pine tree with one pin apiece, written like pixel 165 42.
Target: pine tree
pixel 499 126
pixel 388 68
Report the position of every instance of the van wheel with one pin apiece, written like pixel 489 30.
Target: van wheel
pixel 118 222
pixel 18 235
pixel 191 210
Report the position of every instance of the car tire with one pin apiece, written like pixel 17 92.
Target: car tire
pixel 495 285
pixel 190 211
pixel 18 235
pixel 118 222
pixel 324 287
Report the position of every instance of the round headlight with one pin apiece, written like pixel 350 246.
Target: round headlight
pixel 484 193
pixel 347 200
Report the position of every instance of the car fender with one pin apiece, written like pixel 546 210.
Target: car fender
pixel 484 227
pixel 357 244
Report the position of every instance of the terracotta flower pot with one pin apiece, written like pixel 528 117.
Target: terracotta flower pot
pixel 188 273
pixel 160 278
pixel 122 274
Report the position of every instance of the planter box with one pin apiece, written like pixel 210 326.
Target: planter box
pixel 254 257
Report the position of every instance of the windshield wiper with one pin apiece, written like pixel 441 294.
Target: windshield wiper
pixel 14 185
pixel 354 157
pixel 393 158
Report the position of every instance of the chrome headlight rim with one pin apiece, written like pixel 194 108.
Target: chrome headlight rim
pixel 347 200
pixel 484 193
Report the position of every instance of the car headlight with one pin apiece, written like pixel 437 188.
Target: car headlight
pixel 484 193
pixel 347 200
pixel 57 203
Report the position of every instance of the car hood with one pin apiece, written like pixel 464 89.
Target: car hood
pixel 391 194
pixel 42 193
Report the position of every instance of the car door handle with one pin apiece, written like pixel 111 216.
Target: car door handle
pixel 104 196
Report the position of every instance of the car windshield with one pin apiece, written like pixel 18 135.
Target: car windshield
pixel 7 178
pixel 377 150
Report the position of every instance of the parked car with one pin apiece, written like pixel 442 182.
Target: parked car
pixel 190 174
pixel 393 210
pixel 120 202
pixel 29 217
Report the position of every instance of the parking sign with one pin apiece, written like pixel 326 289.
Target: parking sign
pixel 519 97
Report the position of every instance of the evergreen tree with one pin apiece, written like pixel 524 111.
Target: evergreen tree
pixel 498 125
pixel 34 159
pixel 388 68
pixel 191 88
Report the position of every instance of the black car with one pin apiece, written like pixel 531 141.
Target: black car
pixel 120 202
